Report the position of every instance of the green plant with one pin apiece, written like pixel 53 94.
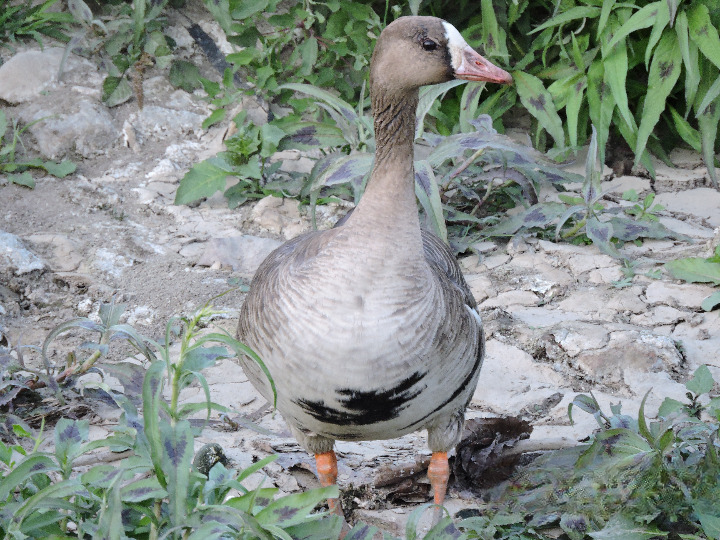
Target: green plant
pixel 155 492
pixel 132 38
pixel 634 479
pixel 16 171
pixel 35 21
pixel 587 217
pixel 699 270
pixel 645 210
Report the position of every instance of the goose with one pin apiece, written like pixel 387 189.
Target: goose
pixel 369 330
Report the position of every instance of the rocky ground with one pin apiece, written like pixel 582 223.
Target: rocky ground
pixel 557 321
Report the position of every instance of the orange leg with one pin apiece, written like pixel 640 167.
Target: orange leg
pixel 438 474
pixel 327 474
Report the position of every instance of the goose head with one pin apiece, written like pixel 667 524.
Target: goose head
pixel 416 51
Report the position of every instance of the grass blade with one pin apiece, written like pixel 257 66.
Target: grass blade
pixel 704 33
pixel 572 109
pixel 642 18
pixel 601 105
pixel 616 68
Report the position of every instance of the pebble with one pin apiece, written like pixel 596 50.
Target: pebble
pixel 15 257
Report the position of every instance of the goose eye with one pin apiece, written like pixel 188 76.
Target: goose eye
pixel 429 45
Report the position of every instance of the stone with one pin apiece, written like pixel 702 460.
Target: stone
pixel 481 287
pixel 540 317
pixel 686 158
pixel 162 122
pixel 629 351
pixel 243 253
pixel 668 179
pixel 605 276
pixel 508 298
pixel 680 295
pixel 598 304
pixel 111 263
pixel 15 257
pixel 577 337
pixel 27 74
pixel 660 315
pixel 511 380
pixel 279 216
pixel 82 126
pixel 702 202
pixel 688 228
pixel 294 161
pixel 621 184
pixel 64 255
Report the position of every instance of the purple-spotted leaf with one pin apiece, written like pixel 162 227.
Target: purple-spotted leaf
pixel 615 61
pixel 312 135
pixel 627 229
pixel 690 54
pixel 703 33
pixel 601 104
pixel 295 508
pixel 32 465
pixel 592 186
pixel 142 490
pixel 341 106
pixel 601 233
pixel 344 170
pixel 361 531
pixel 542 214
pixel 69 436
pixel 177 454
pixel 572 108
pixel 565 16
pixel 101 476
pixel 469 104
pixel 538 101
pixel 664 72
pixel 662 20
pixel 428 95
pixel 201 358
pixel 623 527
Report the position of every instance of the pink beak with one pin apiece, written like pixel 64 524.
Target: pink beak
pixel 476 68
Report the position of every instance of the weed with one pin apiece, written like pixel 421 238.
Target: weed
pixel 156 492
pixel 16 171
pixel 28 20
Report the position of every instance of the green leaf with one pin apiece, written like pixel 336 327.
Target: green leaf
pixel 623 527
pixel 690 55
pixel 704 33
pixel 572 108
pixel 664 72
pixel 294 509
pixel 203 180
pixel 341 106
pixel 177 454
pixel 711 302
pixel 247 8
pixel 702 381
pixel 361 531
pixel 694 270
pixel 600 234
pixel 600 104
pixel 32 465
pixel 711 95
pixel 428 193
pixel 428 95
pixel 661 22
pixel 616 68
pixel 69 436
pixel 707 513
pixel 116 90
pixel 669 406
pixel 151 395
pixel 184 75
pixel 538 101
pixel 688 133
pixel 642 18
pixel 493 35
pixel 607 7
pixel 309 54
pixel 60 170
pixel 22 179
pixel 311 136
pixel 142 490
pixel 218 115
pixel 565 16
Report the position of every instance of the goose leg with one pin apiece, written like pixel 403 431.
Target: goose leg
pixel 327 474
pixel 438 474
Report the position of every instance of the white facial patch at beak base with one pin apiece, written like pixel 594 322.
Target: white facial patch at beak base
pixel 455 43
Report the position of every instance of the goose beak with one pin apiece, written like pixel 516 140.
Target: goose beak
pixel 474 67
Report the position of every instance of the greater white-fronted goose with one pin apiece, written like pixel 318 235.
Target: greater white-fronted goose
pixel 369 329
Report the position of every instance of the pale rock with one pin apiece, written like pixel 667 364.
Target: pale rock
pixel 686 158
pixel 493 261
pixel 15 257
pixel 145 196
pixel 602 305
pixel 81 126
pixel 577 337
pixel 481 286
pixel 243 253
pixel 162 122
pixel 606 276
pixel 672 180
pixel 621 184
pixel 143 315
pixel 686 227
pixel 162 188
pixel 702 202
pixel 628 351
pixel 294 161
pixel 27 74
pixel 509 298
pixel 483 247
pixel 279 216
pixel 581 263
pixel 511 380
pixel 540 317
pixel 681 295
pixel 85 307
pixel 660 315
pixel 61 251
pixel 111 263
